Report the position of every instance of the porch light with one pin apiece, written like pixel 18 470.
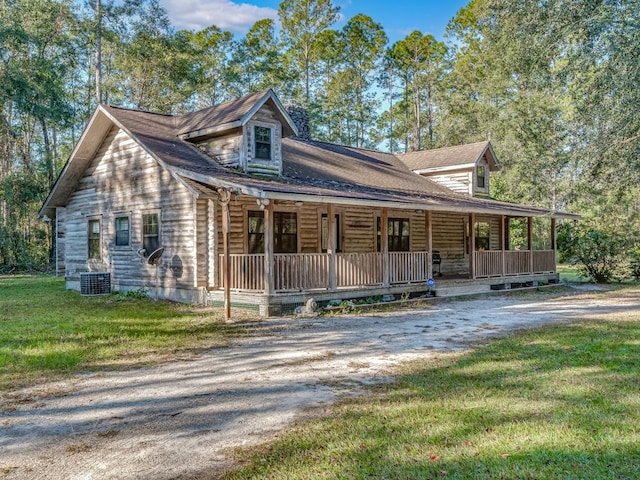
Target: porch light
pixel 262 202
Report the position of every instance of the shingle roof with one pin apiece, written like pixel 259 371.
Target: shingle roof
pixel 309 168
pixel 316 171
pixel 444 157
pixel 226 112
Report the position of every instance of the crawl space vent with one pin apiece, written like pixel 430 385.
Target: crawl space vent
pixel 95 283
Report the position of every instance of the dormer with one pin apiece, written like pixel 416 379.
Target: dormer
pixel 245 133
pixel 463 169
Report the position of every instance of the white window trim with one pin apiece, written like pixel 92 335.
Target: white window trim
pixel 272 127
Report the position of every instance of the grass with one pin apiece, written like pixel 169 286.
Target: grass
pixel 557 402
pixel 47 332
pixel 569 273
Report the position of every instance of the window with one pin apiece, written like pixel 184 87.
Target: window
pixel 122 231
pixel 150 233
pixel 398 234
pixel 324 233
pixel 256 232
pixel 94 238
pixel 480 176
pixel 482 235
pixel 285 232
pixel 263 142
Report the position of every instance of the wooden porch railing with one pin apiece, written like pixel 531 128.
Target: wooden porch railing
pixel 300 272
pixel 246 272
pixel 356 269
pixel 497 263
pixel 309 271
pixel 409 267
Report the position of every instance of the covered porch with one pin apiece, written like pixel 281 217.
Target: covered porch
pixel 359 251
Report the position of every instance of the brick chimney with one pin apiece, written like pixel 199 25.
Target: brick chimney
pixel 300 117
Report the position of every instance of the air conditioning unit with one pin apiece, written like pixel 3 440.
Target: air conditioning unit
pixel 95 283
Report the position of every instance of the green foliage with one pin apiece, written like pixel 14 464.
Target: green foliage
pixel 553 85
pixel 599 253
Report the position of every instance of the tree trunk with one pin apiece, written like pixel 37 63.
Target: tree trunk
pixel 99 51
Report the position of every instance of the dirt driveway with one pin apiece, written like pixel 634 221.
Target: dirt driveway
pixel 176 421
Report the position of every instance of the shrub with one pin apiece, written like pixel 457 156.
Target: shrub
pixel 599 254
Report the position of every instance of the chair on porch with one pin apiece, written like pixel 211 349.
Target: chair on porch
pixel 436 259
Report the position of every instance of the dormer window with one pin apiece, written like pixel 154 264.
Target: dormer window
pixel 263 142
pixel 480 176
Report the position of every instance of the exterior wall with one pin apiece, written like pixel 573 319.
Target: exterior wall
pixel 357 229
pixel 264 117
pixel 59 236
pixel 122 180
pixel 459 182
pixel 225 149
pixel 481 191
pixel 448 237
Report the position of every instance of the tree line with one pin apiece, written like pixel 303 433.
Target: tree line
pixel 552 84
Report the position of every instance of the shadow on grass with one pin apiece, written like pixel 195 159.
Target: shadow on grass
pixel 49 331
pixel 559 402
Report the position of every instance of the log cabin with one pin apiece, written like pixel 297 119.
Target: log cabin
pixel 236 204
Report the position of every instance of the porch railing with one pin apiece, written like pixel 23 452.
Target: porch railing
pixel 311 271
pixel 359 269
pixel 498 263
pixel 300 272
pixel 409 267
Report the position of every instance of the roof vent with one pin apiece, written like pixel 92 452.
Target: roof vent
pixel 95 283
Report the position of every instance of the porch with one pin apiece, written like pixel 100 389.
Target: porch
pixel 282 253
pixel 324 276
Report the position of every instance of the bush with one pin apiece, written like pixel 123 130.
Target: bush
pixel 599 254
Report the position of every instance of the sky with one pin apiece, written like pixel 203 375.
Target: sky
pixel 398 17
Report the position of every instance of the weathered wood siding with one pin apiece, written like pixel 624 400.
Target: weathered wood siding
pixel 208 247
pixel 59 236
pixel 448 237
pixel 225 149
pixel 359 229
pixel 483 162
pixel 123 180
pixel 459 182
pixel 263 117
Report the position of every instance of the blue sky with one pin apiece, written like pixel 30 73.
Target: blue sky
pixel 398 17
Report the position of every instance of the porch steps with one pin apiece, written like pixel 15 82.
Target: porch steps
pixel 458 290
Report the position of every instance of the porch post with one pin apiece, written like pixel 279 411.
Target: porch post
pixel 224 197
pixel 530 242
pixel 384 246
pixel 472 245
pixel 268 249
pixel 502 244
pixel 331 247
pixel 428 220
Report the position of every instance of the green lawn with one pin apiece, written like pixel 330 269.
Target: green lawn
pixel 47 331
pixel 562 402
pixel 569 273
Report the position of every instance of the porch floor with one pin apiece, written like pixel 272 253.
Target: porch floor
pixel 446 286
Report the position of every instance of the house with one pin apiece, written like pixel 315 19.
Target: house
pixel 230 204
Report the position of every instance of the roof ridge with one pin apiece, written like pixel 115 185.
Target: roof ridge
pixel 484 142
pixel 117 107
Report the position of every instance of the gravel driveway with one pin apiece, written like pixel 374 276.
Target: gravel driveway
pixel 176 421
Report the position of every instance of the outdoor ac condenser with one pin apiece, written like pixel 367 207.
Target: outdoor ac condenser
pixel 95 283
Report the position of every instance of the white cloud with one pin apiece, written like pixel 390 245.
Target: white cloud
pixel 225 14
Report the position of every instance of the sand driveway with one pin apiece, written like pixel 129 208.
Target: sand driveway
pixel 175 421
